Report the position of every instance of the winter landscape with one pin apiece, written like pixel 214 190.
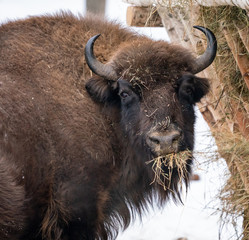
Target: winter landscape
pixel 198 218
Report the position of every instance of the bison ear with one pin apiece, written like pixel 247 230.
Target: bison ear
pixel 102 90
pixel 192 88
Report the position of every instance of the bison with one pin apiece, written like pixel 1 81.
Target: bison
pixel 82 120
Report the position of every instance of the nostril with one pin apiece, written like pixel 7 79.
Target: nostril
pixel 154 139
pixel 176 136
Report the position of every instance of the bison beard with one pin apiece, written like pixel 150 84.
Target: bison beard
pixel 79 138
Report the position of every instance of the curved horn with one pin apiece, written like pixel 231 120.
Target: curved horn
pixel 208 56
pixel 97 67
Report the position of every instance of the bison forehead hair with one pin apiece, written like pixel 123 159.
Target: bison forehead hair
pixel 79 134
pixel 147 62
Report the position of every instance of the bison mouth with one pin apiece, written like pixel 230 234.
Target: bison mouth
pixel 169 167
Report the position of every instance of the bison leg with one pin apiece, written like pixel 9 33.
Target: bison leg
pixel 12 203
pixel 81 202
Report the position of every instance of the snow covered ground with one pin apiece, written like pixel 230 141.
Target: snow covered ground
pixel 196 219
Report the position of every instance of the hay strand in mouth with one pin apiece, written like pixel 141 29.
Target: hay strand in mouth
pixel 163 167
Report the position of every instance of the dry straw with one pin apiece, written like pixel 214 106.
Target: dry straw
pixel 234 147
pixel 235 194
pixel 163 167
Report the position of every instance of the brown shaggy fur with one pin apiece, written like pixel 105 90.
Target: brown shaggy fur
pixel 71 164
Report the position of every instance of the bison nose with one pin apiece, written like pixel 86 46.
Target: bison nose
pixel 164 143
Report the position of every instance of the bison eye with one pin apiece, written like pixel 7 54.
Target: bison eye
pixel 124 94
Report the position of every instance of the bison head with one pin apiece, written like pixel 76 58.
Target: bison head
pixel 154 87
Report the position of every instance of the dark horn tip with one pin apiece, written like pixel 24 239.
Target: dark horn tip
pixel 100 69
pixel 89 46
pixel 209 55
pixel 94 38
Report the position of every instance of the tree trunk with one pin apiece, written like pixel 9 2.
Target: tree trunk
pixel 96 6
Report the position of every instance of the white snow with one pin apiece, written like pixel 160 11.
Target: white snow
pixel 16 9
pixel 195 220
